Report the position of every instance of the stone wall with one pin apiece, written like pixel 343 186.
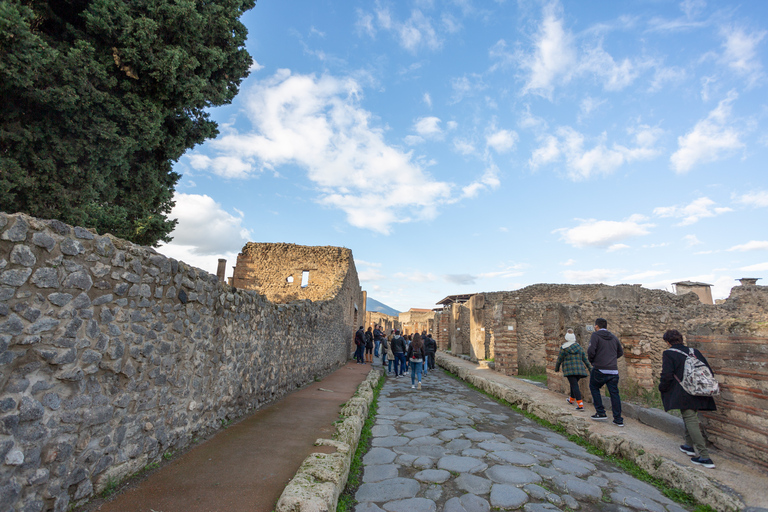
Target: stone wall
pixel 417 320
pixel 388 322
pixel 112 354
pixel 287 272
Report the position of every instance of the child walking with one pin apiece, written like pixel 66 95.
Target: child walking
pixel 575 367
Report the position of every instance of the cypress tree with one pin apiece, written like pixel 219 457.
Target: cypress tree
pixel 98 98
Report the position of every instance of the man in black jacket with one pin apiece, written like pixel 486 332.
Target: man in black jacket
pixel 603 352
pixel 430 345
pixel 675 397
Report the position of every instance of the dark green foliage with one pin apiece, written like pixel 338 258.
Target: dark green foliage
pixel 98 98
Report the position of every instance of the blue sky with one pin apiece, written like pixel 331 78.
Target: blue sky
pixel 461 146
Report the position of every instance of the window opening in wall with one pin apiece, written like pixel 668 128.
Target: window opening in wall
pixel 289 279
pixel 304 278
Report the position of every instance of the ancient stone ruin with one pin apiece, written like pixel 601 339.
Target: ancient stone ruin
pixel 111 354
pixel 525 328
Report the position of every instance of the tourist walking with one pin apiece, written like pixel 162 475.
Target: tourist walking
pixel 384 347
pixel 359 345
pixel 416 357
pixel 397 345
pixel 575 367
pixel 378 335
pixel 603 352
pixel 369 346
pixel 430 345
pixel 675 397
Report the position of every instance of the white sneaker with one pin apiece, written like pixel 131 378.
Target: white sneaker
pixel 414 387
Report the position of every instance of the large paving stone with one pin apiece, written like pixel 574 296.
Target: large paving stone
pixel 433 451
pixel 474 452
pixel 513 475
pixel 367 506
pixel 545 472
pixel 438 422
pixel 467 503
pixel 432 476
pixel 378 473
pixel 425 441
pixel 383 431
pixel 573 466
pixel 479 436
pixel 638 486
pixel 450 435
pixel 507 497
pixel 415 417
pixel 473 484
pixel 628 498
pixel 387 490
pixel 540 507
pixel 578 488
pixel 458 445
pixel 411 505
pixel 495 446
pixel 461 464
pixel 390 441
pixel 516 458
pixel 379 456
pixel 424 463
pixel 421 432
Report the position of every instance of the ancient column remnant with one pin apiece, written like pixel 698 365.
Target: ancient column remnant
pixel 221 270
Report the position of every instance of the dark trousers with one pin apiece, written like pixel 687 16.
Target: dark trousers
pixel 359 353
pixel 596 381
pixel 399 363
pixel 431 360
pixel 573 380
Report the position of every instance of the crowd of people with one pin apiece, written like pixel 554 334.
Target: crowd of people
pixel 414 353
pixel 679 387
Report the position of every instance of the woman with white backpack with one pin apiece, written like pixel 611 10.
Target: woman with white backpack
pixel 688 383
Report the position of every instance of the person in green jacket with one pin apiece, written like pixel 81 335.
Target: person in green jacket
pixel 575 365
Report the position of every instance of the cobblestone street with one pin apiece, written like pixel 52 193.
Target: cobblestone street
pixel 447 447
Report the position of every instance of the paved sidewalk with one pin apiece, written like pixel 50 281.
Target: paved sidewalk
pixel 246 466
pixel 745 480
pixel 450 448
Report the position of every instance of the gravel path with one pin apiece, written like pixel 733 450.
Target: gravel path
pixel 449 448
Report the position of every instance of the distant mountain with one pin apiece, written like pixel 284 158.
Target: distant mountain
pixel 374 305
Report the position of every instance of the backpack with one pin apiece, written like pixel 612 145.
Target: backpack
pixel 698 379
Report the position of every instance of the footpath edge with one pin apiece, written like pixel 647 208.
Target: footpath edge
pixel 698 485
pixel 322 477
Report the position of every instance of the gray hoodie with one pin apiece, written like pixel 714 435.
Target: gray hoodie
pixel 604 350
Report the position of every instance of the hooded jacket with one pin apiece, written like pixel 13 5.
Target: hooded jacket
pixel 604 350
pixel 573 360
pixel 397 344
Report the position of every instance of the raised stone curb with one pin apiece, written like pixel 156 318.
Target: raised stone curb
pixel 322 476
pixel 705 490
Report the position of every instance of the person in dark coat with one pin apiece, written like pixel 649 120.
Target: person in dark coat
pixel 369 345
pixel 359 345
pixel 603 352
pixel 575 367
pixel 675 397
pixel 430 345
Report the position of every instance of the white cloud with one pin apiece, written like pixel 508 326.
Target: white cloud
pixel 255 66
pixel 416 32
pixel 758 199
pixel 413 140
pixel 568 263
pixel 758 267
pixel 615 76
pixel 634 278
pixel 489 180
pixel 740 53
pixel 691 240
pixel 316 124
pixel 501 140
pixel 427 99
pixel 617 247
pixel 589 104
pixel 753 245
pixel 369 275
pixel 604 233
pixel 428 126
pixel 698 209
pixel 554 57
pixel 224 166
pixel 598 275
pixel 584 162
pixel 464 147
pixel 662 77
pixel 710 140
pixel 205 232
pixel 416 276
pixel 460 278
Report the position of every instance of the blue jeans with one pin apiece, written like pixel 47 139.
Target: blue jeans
pixel 376 347
pixel 399 363
pixel 416 371
pixel 596 381
pixel 389 362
